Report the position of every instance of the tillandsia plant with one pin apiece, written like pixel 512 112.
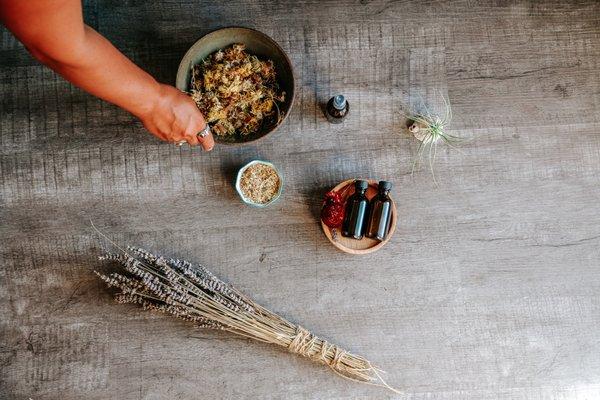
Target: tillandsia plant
pixel 191 292
pixel 430 130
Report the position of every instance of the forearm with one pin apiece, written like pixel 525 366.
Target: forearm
pixel 96 66
pixel 54 32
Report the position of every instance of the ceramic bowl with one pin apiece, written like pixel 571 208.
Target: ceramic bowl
pixel 244 198
pixel 258 44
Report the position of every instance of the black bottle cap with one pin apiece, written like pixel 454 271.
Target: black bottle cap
pixel 361 185
pixel 385 185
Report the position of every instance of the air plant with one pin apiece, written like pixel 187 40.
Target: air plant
pixel 430 129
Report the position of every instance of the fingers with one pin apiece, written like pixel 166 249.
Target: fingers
pixel 197 128
pixel 195 132
pixel 177 119
pixel 191 139
pixel 189 133
pixel 207 142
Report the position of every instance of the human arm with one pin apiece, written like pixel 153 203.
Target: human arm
pixel 55 34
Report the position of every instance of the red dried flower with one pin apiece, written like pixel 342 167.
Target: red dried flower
pixel 332 213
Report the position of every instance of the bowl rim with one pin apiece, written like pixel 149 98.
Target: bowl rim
pixel 181 69
pixel 238 189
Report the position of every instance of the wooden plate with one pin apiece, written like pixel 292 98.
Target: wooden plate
pixel 365 245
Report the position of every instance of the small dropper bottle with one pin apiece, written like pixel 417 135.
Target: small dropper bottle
pixel 380 213
pixel 337 109
pixel 356 211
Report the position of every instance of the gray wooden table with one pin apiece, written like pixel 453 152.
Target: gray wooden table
pixel 490 288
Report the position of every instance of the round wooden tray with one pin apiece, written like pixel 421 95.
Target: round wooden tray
pixel 365 245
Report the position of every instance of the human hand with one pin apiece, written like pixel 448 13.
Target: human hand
pixel 174 117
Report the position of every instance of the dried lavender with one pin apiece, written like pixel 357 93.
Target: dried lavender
pixel 193 293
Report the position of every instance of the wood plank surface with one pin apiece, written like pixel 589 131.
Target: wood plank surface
pixel 489 289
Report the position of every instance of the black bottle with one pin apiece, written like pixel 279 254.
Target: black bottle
pixel 337 109
pixel 380 213
pixel 356 212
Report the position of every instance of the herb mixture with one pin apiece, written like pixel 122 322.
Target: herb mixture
pixel 260 183
pixel 236 91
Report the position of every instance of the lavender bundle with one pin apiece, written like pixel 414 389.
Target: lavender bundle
pixel 193 293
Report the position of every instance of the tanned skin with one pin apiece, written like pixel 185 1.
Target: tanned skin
pixel 54 33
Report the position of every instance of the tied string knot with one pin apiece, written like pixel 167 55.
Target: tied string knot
pixel 305 344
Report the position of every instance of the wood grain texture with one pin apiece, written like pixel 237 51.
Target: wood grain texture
pixel 489 289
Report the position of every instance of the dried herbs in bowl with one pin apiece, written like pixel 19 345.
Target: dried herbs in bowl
pixel 241 80
pixel 237 92
pixel 259 183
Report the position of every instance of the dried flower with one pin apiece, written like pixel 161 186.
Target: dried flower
pixel 236 91
pixel 332 213
pixel 192 293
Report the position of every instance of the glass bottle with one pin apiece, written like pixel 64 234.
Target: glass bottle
pixel 380 213
pixel 356 211
pixel 337 109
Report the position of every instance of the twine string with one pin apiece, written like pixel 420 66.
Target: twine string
pixel 303 344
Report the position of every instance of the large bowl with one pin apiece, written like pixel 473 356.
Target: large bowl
pixel 258 44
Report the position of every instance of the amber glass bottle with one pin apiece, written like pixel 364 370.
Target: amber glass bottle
pixel 337 109
pixel 380 213
pixel 356 212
